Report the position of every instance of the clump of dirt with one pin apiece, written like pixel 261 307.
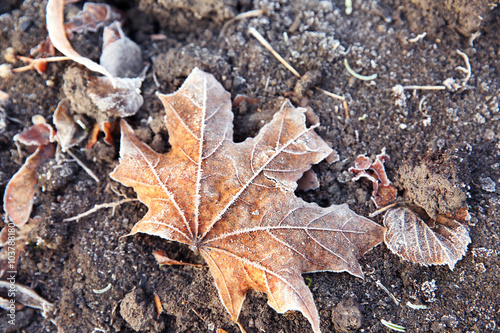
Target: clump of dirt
pixel 436 182
pixel 181 15
pixel 137 311
pixel 346 316
pixel 440 17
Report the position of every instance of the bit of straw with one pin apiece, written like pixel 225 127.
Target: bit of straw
pixel 101 291
pixel 268 46
pixel 348 7
pixel 359 76
pixel 381 210
pixel 416 39
pixel 98 207
pixel 424 87
pixel 416 306
pixel 251 13
pixel 392 326
pixel 342 98
pixel 84 167
pixel 466 70
pixel 381 286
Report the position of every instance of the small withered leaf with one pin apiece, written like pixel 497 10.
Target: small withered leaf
pixel 411 238
pixel 235 202
pixel 20 190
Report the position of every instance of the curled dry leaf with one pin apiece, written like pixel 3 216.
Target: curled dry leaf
pixel 68 132
pixel 57 34
pixel 308 181
pixel 384 191
pixel 120 55
pixel 158 306
pixel 411 238
pixel 20 190
pixel 235 202
pixel 163 259
pixel 92 17
pixel 122 99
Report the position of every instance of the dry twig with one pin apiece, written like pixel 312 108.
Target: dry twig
pixel 98 207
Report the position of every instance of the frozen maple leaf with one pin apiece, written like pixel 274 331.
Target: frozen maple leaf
pixel 235 202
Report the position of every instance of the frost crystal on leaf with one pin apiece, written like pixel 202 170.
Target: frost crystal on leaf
pixel 235 202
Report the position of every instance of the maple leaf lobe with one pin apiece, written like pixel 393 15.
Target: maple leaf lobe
pixel 235 202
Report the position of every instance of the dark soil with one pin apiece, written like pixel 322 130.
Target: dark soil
pixel 65 261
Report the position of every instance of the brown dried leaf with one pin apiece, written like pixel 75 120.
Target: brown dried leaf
pixel 158 306
pixel 308 181
pixel 92 17
pixel 163 259
pixel 411 238
pixel 57 34
pixel 19 192
pixel 68 132
pixel 384 192
pixel 235 202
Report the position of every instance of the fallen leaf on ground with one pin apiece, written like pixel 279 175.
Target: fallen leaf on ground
pixel 121 56
pixel 163 259
pixel 20 190
pixel 384 191
pixel 68 132
pixel 92 17
pixel 57 34
pixel 439 240
pixel 158 306
pixel 411 238
pixel 122 99
pixel 235 202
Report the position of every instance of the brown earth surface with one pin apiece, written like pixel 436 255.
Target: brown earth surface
pixel 64 262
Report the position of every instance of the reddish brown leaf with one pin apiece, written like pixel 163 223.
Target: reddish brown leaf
pixel 94 135
pixel 68 132
pixel 158 306
pixel 19 192
pixel 36 135
pixel 412 239
pixel 235 202
pixel 384 191
pixel 163 259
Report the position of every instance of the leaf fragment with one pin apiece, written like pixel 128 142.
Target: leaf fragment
pixel 92 17
pixel 163 259
pixel 384 192
pixel 158 306
pixel 57 34
pixel 235 202
pixel 20 190
pixel 412 239
pixel 68 132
